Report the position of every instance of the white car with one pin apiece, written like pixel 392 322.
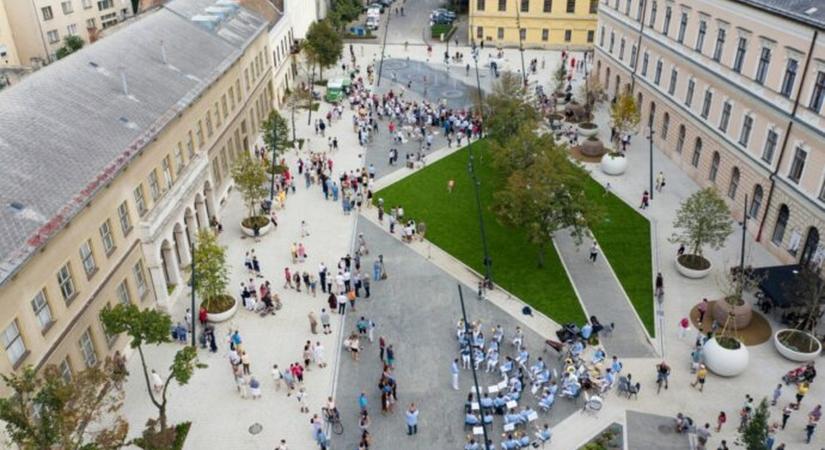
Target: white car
pixel 372 23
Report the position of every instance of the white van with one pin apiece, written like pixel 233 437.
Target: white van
pixel 374 12
pixel 372 23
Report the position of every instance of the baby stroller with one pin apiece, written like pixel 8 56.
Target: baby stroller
pixel 800 374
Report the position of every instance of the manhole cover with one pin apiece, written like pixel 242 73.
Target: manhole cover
pixel 452 93
pixel 255 428
pixel 395 65
pixel 665 429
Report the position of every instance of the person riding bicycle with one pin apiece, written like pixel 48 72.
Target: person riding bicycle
pixel 662 372
pixel 330 410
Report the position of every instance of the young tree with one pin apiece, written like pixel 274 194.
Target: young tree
pixel 44 411
pixel 152 327
pixel 755 433
pixel 624 113
pixel 211 270
pixel 71 44
pixel 250 179
pixel 520 149
pixel 703 219
pixel 276 134
pixel 560 77
pixel 323 45
pixel 295 100
pixel 508 109
pixel 592 93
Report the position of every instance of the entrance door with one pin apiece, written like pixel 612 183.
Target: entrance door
pixel 811 242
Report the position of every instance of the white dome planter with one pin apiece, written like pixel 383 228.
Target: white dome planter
pixel 792 353
pixel 224 316
pixel 261 231
pixel 693 273
pixel 587 132
pixel 614 164
pixel 723 361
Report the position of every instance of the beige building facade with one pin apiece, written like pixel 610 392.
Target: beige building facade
pixel 31 31
pixel 543 23
pixel 102 197
pixel 735 93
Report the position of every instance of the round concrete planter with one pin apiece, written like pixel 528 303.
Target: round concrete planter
pixel 593 148
pixel 223 316
pixel 613 164
pixel 724 361
pixel 261 231
pixel 741 312
pixel 687 272
pixel 792 353
pixel 587 132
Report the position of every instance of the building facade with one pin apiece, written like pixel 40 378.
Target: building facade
pixel 111 164
pixel 734 91
pixel 36 28
pixel 542 23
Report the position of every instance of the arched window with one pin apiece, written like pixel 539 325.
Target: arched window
pixel 598 69
pixel 639 99
pixel 734 183
pixel 680 141
pixel 756 203
pixel 781 224
pixel 697 153
pixel 665 125
pixel 607 79
pixel 714 167
pixel 618 85
pixel 652 115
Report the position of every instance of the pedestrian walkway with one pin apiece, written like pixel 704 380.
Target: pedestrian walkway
pixel 654 432
pixel 602 295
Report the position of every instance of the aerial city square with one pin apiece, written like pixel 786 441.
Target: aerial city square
pixel 412 224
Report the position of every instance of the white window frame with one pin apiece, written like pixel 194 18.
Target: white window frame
pixel 42 310
pixel 13 343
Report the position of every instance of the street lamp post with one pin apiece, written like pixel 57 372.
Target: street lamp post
pixel 744 235
pixel 311 91
pixel 488 276
pixel 272 166
pixel 192 282
pixel 650 140
pixel 468 332
pixel 383 49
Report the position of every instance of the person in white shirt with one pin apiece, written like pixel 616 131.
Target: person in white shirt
pixel 277 377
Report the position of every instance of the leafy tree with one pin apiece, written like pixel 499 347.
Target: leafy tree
pixel 560 77
pixel 508 109
pixel 520 150
pixel 342 12
pixel 624 113
pixel 152 327
pixel 276 134
pixel 211 270
pixel 808 293
pixel 755 433
pixel 250 176
pixel 323 45
pixel 545 197
pixel 71 44
pixel 44 411
pixel 703 219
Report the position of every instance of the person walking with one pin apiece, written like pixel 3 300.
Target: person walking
pixel 809 431
pixel 412 420
pixel 594 252
pixel 786 414
pixel 660 181
pixel 325 321
pixel 801 391
pixel 454 371
pixel 721 421
pixel 702 309
pixel 313 322
pixel 701 374
pixel 362 402
pixel 777 392
pixel 645 200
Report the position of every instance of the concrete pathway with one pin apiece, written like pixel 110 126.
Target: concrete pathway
pixel 654 432
pixel 602 295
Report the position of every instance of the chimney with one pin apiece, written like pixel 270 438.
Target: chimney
pixel 163 53
pixel 123 80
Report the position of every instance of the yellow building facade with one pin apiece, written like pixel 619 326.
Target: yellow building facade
pixel 102 196
pixel 554 24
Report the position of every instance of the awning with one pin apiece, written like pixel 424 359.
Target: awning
pixel 777 282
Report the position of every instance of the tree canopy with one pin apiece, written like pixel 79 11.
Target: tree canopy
pixel 211 270
pixel 508 109
pixel 702 220
pixel 755 433
pixel 275 130
pixel 71 44
pixel 624 113
pixel 250 178
pixel 323 44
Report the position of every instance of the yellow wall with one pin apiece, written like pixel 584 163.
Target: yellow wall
pixel 501 27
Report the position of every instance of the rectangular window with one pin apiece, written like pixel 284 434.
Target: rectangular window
pixel 568 35
pixel 47 13
pixel 666 25
pixel 217 115
pixel 224 109
pixel 745 135
pixel 522 33
pixel 627 8
pixel 90 23
pixel 612 42
pixel 657 77
pixel 645 61
pixel 640 11
pixel 725 119
pixel 13 343
pixel 594 6
pixel 633 57
pixel 480 5
pixel 674 75
pixel 680 36
pixel 700 37
pixel 65 369
pixel 140 202
pixel 545 34
pixel 88 257
pixel 71 30
pixel 67 7
pixel 108 20
pixel 525 5
pixel 601 38
pixel 571 6
pixel 798 165
pixel 818 94
pixel 104 4
pixel 209 123
pixel 124 218
pixel 621 49
pixel 179 159
pixel 590 36
pixel 190 146
pixel 764 63
pixel 706 104
pixel 66 283
pixel 87 348
pixel 739 59
pixel 199 134
pixel 123 295
pixel 689 93
pixel 140 279
pixel 42 311
pixel 720 45
pixel 106 236
pixel 653 10
pixel 154 185
pixel 790 78
pixel 86 4
pixel 500 33
pixel 502 5
pixel 770 146
pixel 53 36
pixel 548 6
pixel 166 168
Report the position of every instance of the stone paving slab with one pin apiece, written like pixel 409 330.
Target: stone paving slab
pixel 652 432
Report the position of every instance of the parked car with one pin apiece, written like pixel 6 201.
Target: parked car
pixel 444 12
pixel 441 20
pixel 386 3
pixel 372 23
pixel 377 4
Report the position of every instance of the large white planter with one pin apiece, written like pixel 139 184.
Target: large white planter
pixel 587 132
pixel 792 354
pixel 613 165
pixel 224 316
pixel 262 231
pixel 723 361
pixel 692 273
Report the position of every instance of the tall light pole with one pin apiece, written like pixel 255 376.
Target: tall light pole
pixel 272 166
pixel 469 333
pixel 488 272
pixel 192 282
pixel 311 90
pixel 520 43
pixel 383 48
pixel 650 140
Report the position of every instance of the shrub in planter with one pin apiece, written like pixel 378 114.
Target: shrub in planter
pixel 702 220
pixel 255 222
pixel 796 345
pixel 807 292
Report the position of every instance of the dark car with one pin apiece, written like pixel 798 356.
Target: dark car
pixel 442 19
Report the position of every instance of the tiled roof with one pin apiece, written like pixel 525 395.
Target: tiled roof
pixel 810 12
pixel 69 128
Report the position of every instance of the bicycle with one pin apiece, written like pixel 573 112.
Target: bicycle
pixel 334 421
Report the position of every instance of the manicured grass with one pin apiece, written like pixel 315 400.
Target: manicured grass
pixel 452 224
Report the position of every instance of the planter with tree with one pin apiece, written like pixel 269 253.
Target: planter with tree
pixel 250 179
pixel 702 220
pixel 593 94
pixel 726 355
pixel 808 295
pixel 275 132
pixel 624 118
pixel 212 277
pixel 560 84
pixel 592 147
pixel 151 327
pixel 733 304
pixel 587 129
pixel 613 163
